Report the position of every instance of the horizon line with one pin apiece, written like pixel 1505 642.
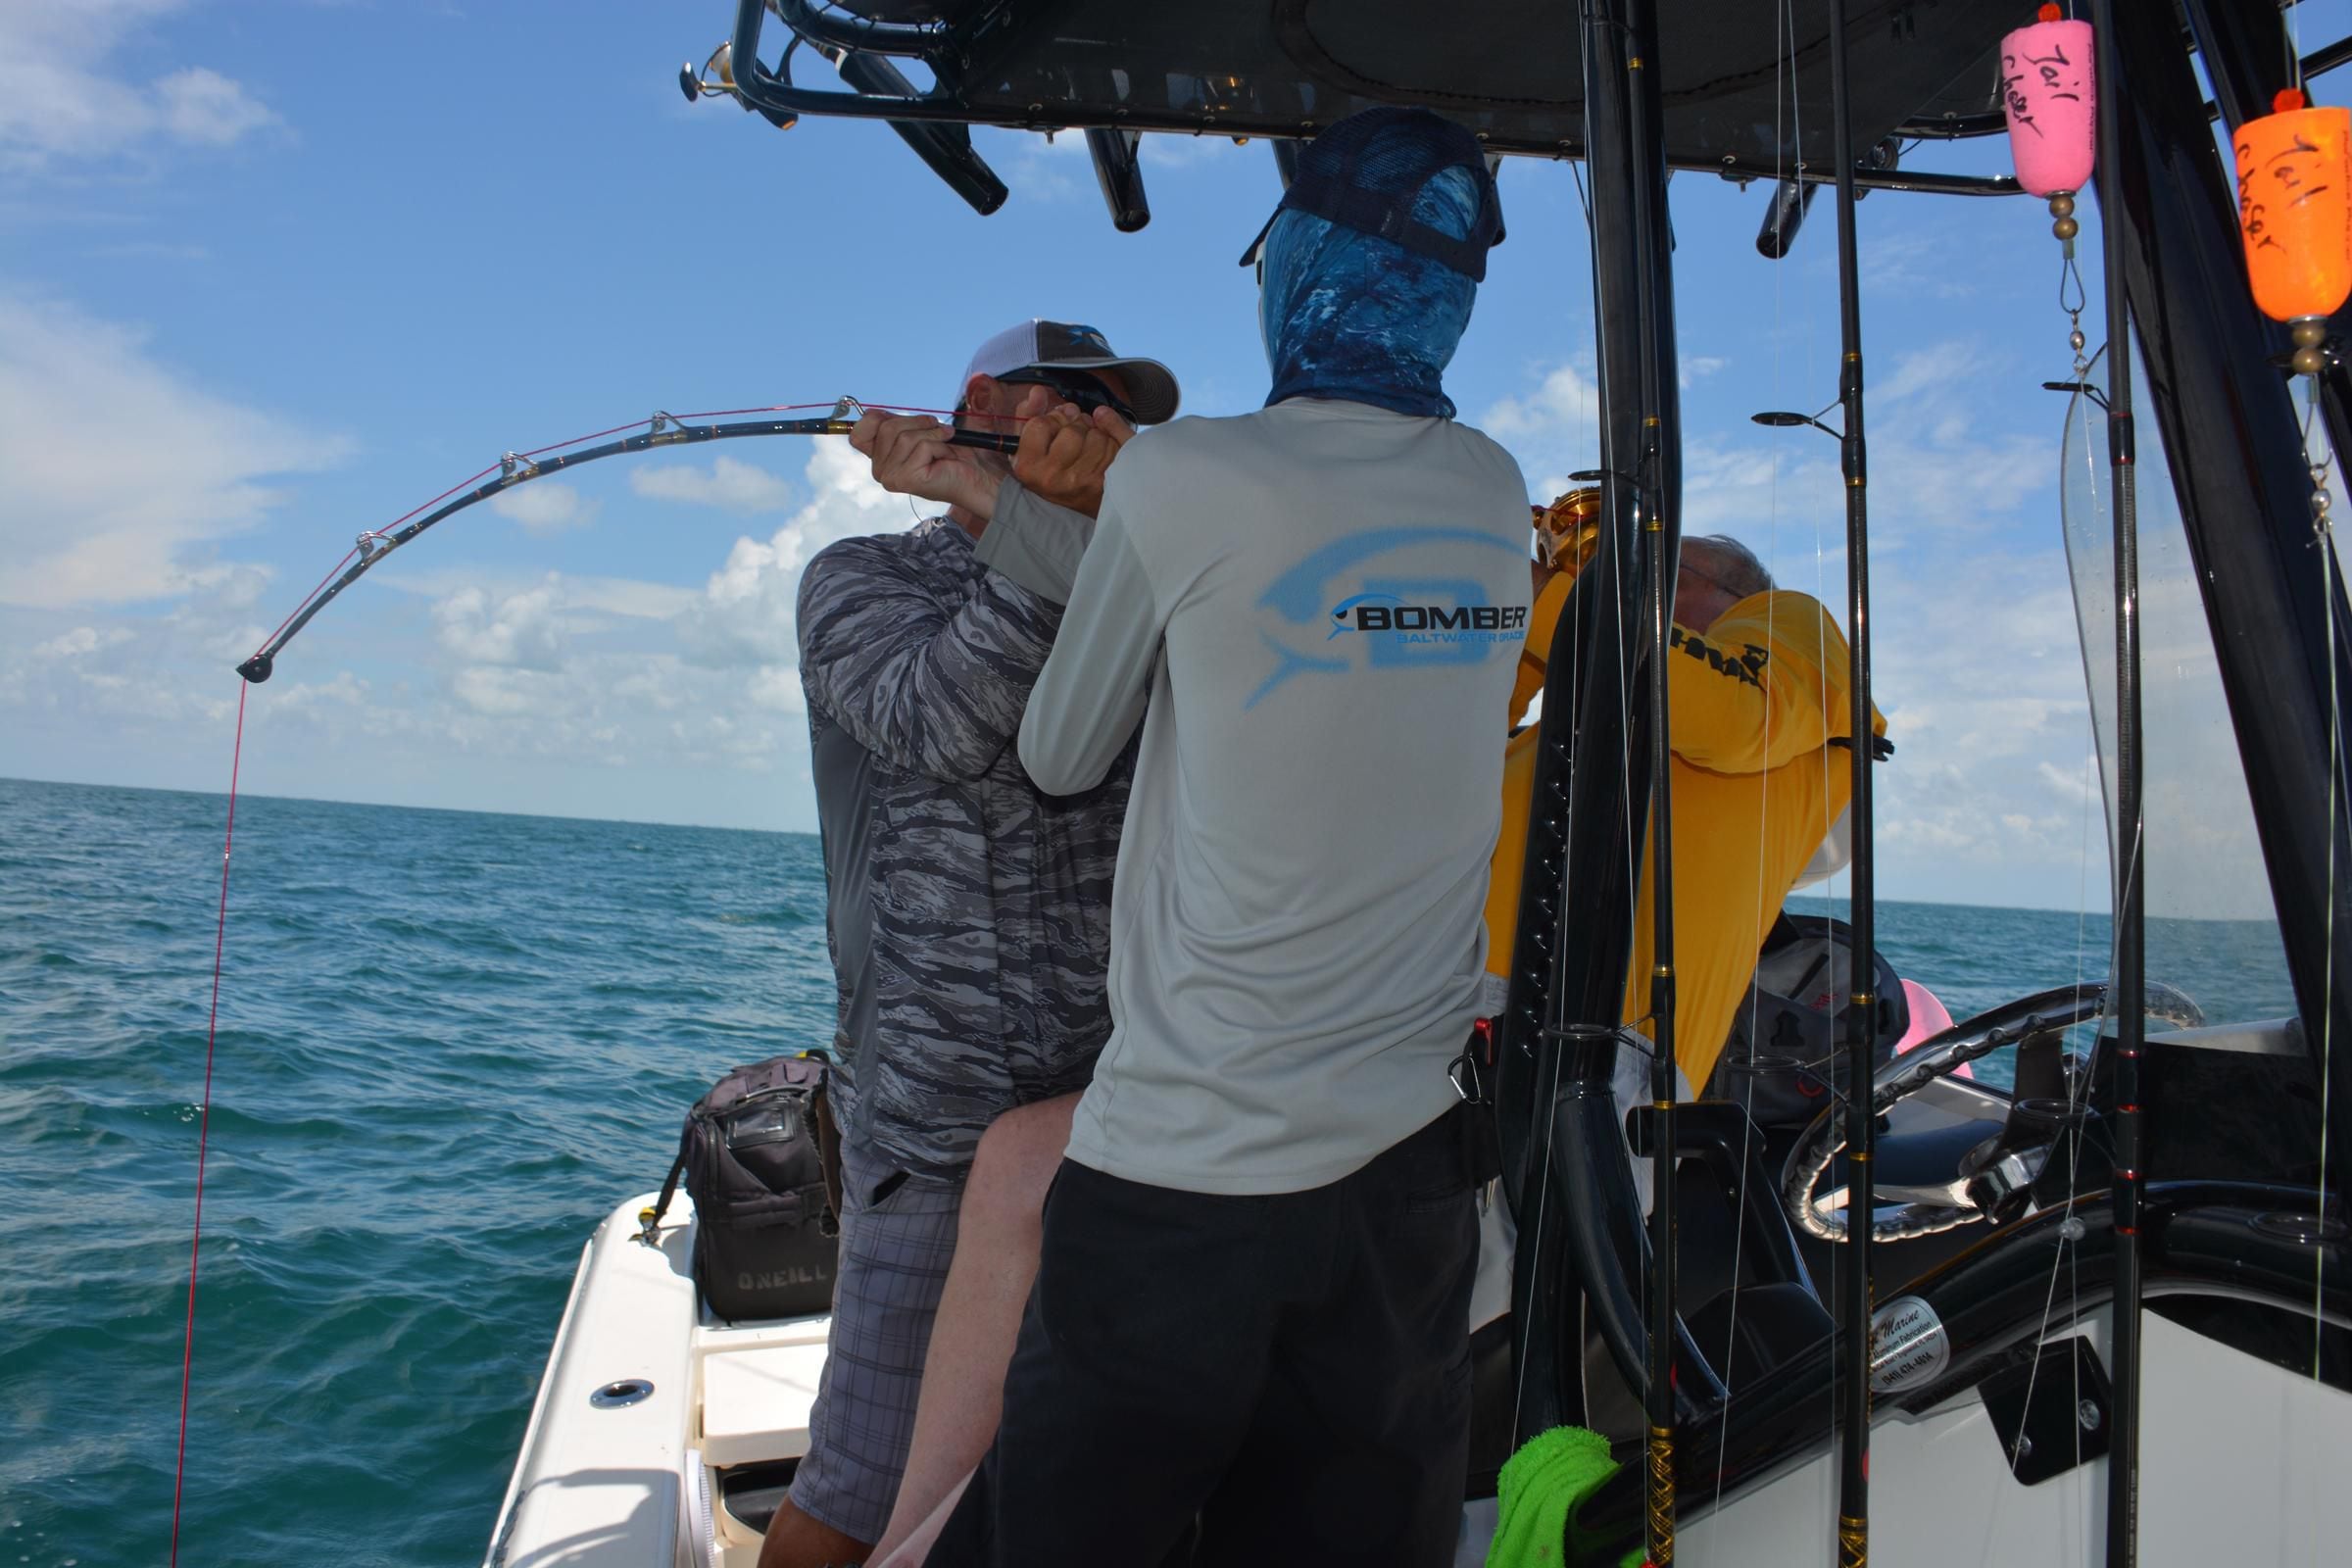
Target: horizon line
pixel 712 827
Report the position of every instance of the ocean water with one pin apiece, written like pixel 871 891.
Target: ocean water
pixel 1974 959
pixel 449 1044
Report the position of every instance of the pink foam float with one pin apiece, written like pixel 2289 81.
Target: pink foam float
pixel 1928 1017
pixel 2050 98
pixel 2051 101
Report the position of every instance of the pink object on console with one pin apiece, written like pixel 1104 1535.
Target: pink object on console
pixel 2048 93
pixel 1929 1017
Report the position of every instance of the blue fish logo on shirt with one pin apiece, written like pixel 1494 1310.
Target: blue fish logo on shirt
pixel 1397 618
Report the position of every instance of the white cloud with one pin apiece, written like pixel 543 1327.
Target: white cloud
pixel 1565 400
pixel 1978 665
pixel 1931 466
pixel 1036 169
pixel 573 670
pixel 501 670
pixel 60 100
pixel 629 597
pixel 1553 431
pixel 203 106
pixel 79 641
pixel 745 616
pixel 2074 786
pixel 520 630
pixel 344 690
pixel 214 619
pixel 603 709
pixel 106 674
pixel 113 467
pixel 499 692
pixel 1933 370
pixel 544 505
pixel 728 484
pixel 1744 489
pixel 1916 261
pixel 1170 151
pixel 778 687
pixel 1063 170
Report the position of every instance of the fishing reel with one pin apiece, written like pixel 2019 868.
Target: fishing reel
pixel 1569 530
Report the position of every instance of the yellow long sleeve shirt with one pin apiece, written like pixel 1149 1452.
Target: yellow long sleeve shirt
pixel 1756 783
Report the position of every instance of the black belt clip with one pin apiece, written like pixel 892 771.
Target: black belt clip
pixel 1470 1070
pixel 1481 1138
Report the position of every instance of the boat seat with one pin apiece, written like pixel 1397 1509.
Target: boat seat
pixel 755 1402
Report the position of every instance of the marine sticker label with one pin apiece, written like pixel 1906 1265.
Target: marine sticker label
pixel 1907 1346
pixel 1391 598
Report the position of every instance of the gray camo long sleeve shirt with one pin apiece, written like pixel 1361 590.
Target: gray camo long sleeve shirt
pixel 969 913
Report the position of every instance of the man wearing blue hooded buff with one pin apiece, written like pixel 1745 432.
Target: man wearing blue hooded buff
pixel 1250 1306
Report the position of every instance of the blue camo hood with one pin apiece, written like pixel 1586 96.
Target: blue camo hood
pixel 1357 319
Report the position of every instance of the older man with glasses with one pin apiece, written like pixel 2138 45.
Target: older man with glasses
pixel 1757 690
pixel 967 912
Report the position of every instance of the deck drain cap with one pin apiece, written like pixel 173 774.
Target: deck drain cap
pixel 615 1396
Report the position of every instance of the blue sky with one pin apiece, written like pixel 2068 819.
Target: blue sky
pixel 271 272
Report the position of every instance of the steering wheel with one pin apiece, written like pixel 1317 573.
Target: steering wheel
pixel 1994 1169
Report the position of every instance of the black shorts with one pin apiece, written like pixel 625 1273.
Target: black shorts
pixel 1289 1374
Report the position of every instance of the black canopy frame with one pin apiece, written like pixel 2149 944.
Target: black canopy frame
pixel 1280 68
pixel 1290 67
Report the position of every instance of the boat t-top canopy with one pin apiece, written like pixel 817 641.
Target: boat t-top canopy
pixel 1508 70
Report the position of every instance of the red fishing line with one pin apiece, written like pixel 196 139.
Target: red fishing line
pixel 593 435
pixel 771 408
pixel 204 1125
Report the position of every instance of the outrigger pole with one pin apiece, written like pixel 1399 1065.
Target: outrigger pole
pixel 2127 1002
pixel 1853 1489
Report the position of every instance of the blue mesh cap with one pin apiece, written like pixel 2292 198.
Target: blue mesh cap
pixel 1365 172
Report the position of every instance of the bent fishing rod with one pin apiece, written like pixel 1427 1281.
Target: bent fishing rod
pixel 662 429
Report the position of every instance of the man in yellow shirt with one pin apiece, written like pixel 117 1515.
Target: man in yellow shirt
pixel 1759 699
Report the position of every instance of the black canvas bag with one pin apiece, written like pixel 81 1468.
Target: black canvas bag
pixel 752 1159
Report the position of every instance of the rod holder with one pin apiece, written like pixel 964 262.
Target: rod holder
pixel 1119 172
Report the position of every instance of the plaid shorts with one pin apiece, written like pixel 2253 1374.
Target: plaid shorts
pixel 894 1260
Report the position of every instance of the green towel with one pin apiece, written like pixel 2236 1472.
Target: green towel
pixel 1542 1487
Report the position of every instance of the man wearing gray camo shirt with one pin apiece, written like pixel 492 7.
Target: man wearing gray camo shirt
pixel 969 914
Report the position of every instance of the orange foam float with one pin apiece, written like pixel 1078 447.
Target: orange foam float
pixel 2295 214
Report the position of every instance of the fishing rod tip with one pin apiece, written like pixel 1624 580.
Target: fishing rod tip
pixel 257 669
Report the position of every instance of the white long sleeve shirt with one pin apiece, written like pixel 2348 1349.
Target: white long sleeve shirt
pixel 1321 606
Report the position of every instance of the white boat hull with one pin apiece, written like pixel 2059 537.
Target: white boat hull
pixel 615 1476
pixel 2240 1461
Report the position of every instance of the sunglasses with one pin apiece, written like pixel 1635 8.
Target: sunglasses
pixel 1088 392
